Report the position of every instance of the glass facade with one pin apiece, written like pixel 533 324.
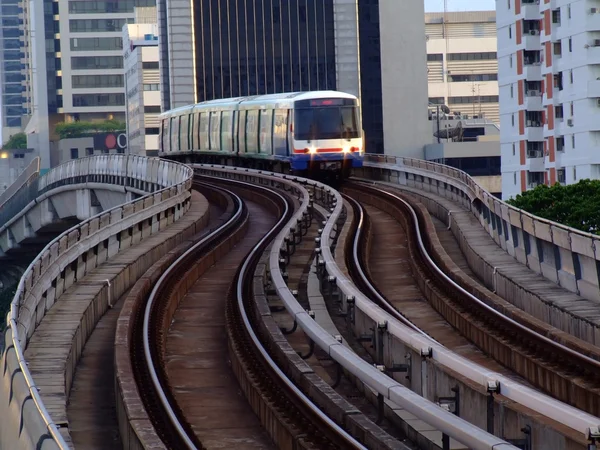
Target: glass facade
pixel 10 72
pixel 250 47
pixel 370 72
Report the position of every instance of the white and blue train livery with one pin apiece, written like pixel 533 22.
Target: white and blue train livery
pixel 305 131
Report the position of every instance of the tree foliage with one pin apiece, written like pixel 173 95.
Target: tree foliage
pixel 575 205
pixel 16 142
pixel 82 129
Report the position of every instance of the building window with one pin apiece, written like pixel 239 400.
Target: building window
pixel 574 173
pixel 435 57
pixel 573 141
pixel 571 76
pixel 152 131
pixel 509 32
pixel 151 109
pixel 558 112
pixel 512 91
pixel 570 44
pixel 85 100
pixel 510 61
pixel 512 117
pixel 85 44
pixel 74 153
pixel 572 109
pixel 556 16
pixel 569 11
pixel 560 144
pixel 436 100
pixel 508 4
pixel 97 81
pixel 89 151
pixel 515 177
pixel 151 86
pixel 472 56
pixel 473 99
pixel 473 77
pixel 150 65
pixel 514 146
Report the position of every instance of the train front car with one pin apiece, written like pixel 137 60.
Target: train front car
pixel 327 134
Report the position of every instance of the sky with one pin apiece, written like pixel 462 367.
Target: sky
pixel 460 5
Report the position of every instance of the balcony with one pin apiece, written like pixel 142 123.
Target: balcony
pixel 534 133
pixel 531 39
pixel 535 161
pixel 592 22
pixel 593 55
pixel 593 89
pixel 533 101
pixel 530 9
pixel 533 71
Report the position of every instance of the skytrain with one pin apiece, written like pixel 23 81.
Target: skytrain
pixel 306 133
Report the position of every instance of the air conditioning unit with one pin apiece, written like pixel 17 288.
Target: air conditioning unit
pixel 534 32
pixel 598 102
pixel 596 43
pixel 570 122
pixel 594 11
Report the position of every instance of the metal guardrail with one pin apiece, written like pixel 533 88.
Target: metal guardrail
pixel 20 193
pixel 521 234
pixel 424 409
pixel 175 180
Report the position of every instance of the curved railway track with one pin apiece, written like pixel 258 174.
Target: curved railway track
pixel 287 406
pixel 565 374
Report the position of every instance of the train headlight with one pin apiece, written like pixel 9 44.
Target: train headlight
pixel 346 149
pixel 312 150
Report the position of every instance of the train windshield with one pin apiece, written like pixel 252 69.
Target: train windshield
pixel 321 120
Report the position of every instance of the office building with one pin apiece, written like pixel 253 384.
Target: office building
pixel 257 47
pixel 549 76
pixel 142 83
pixel 15 99
pixel 77 59
pixel 461 62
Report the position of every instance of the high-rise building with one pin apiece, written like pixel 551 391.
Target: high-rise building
pixel 549 76
pixel 142 82
pixel 248 47
pixel 15 94
pixel 77 59
pixel 461 62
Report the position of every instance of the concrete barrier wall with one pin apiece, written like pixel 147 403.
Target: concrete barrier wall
pixel 25 422
pixel 564 255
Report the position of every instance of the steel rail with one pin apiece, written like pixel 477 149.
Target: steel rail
pixel 152 299
pixel 350 441
pixel 365 280
pixel 424 409
pixel 535 400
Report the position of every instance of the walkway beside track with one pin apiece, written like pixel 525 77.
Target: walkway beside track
pixel 58 342
pixel 484 247
pixel 197 357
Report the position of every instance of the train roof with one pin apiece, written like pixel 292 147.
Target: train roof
pixel 285 99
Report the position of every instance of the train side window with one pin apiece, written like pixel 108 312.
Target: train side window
pixel 215 131
pixel 204 131
pixel 266 129
pixel 175 134
pixel 183 127
pixel 190 129
pixel 196 132
pixel 242 131
pixel 280 132
pixel 252 118
pixel 226 131
pixel 235 128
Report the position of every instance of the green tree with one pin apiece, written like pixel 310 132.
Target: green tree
pixel 576 205
pixel 16 141
pixel 82 129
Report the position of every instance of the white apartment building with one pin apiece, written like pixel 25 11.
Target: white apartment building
pixel 78 75
pixel 142 86
pixel 461 62
pixel 549 63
